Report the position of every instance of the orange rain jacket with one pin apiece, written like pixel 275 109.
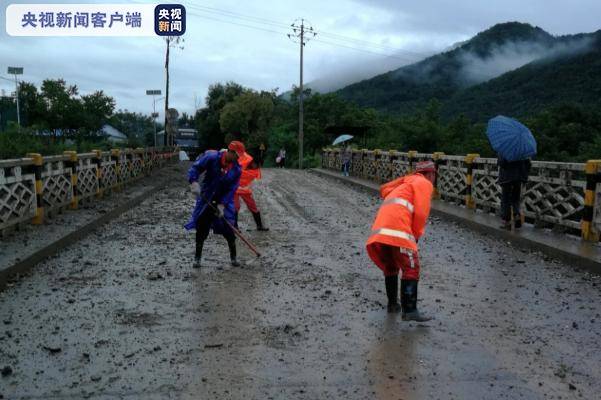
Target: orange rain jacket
pixel 401 219
pixel 248 174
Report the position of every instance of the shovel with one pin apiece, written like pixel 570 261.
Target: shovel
pixel 247 242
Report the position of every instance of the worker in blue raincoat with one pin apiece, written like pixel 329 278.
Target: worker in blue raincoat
pixel 221 179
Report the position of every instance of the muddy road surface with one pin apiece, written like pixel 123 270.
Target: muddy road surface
pixel 123 315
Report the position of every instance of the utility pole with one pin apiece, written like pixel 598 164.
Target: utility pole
pixel 16 71
pixel 154 93
pixel 303 34
pixel 170 40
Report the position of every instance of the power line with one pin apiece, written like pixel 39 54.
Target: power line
pixel 346 46
pixel 334 36
pixel 366 51
pixel 238 24
pixel 317 40
pixel 370 44
pixel 231 14
pixel 365 46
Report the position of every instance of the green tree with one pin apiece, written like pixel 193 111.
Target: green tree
pixel 207 118
pixel 248 117
pixel 97 108
pixel 63 110
pixel 31 105
pixel 138 128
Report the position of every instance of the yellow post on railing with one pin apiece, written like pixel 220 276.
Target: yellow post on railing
pixel 129 163
pixel 140 152
pixel 377 156
pixel 588 231
pixel 98 162
pixel 412 155
pixel 38 163
pixel 72 163
pixel 363 167
pixel 437 158
pixel 469 162
pixel 116 156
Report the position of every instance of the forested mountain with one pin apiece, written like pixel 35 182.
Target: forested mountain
pixel 511 68
pixel 573 78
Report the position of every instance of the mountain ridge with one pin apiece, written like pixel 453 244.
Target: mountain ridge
pixel 452 75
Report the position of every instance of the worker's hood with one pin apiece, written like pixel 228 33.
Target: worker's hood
pixel 388 187
pixel 245 160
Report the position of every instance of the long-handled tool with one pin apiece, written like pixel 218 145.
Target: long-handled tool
pixel 236 231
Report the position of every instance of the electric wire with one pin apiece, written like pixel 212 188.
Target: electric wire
pixel 239 24
pixel 210 18
pixel 332 36
pixel 360 45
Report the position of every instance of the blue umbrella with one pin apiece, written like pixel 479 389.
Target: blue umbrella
pixel 510 139
pixel 342 138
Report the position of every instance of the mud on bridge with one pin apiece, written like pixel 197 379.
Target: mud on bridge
pixel 123 315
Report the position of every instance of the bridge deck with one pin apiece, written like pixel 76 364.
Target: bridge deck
pixel 121 314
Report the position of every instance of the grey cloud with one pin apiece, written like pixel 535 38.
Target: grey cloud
pixel 513 55
pixel 218 52
pixel 470 16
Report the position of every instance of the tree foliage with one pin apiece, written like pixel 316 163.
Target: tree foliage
pixel 139 128
pixel 57 108
pixel 568 132
pixel 207 118
pixel 247 117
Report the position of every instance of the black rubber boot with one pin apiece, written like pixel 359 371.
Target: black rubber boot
pixel 231 244
pixel 257 218
pixel 506 225
pixel 409 302
pixel 517 223
pixel 198 255
pixel 392 292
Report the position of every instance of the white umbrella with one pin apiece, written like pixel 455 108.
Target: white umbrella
pixel 183 156
pixel 342 138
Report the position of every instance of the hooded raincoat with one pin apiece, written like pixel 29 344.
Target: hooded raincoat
pixel 218 186
pixel 248 175
pixel 401 219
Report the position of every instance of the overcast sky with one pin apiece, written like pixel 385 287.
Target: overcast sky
pixel 218 49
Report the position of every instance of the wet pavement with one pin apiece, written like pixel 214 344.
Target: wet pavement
pixel 122 314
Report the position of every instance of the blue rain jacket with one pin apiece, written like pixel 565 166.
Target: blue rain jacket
pixel 217 186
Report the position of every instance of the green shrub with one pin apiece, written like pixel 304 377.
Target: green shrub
pixel 16 142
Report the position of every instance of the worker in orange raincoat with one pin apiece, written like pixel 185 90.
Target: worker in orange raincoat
pixel 399 224
pixel 250 172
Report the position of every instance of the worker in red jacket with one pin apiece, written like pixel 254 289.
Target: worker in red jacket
pixel 250 172
pixel 392 246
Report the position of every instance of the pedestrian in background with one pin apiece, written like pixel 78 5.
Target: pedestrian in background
pixel 261 158
pixel 281 158
pixel 392 246
pixel 346 158
pixel 512 174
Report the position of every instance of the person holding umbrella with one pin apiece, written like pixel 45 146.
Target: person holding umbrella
pixel 514 145
pixel 346 158
pixel 346 155
pixel 512 174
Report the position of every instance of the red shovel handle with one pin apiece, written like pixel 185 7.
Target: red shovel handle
pixel 236 231
pixel 245 240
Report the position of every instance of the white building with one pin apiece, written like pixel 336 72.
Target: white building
pixel 112 134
